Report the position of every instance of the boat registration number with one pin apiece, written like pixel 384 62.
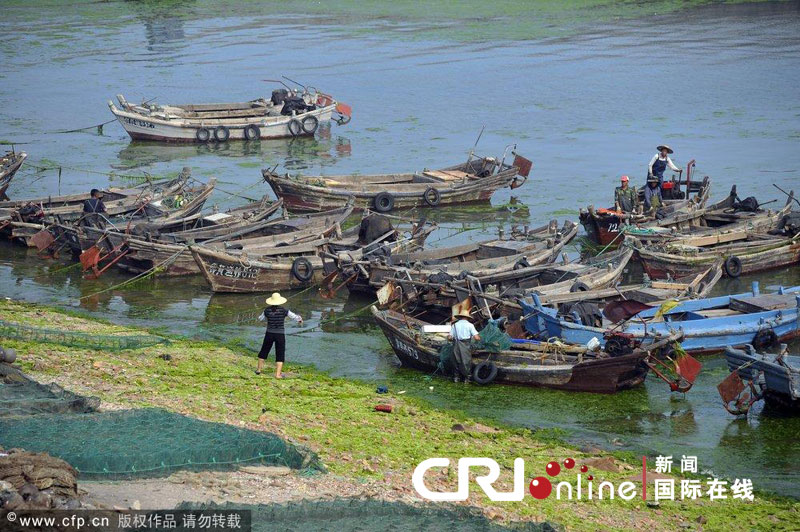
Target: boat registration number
pixel 234 272
pixel 137 122
pixel 406 349
pixel 613 226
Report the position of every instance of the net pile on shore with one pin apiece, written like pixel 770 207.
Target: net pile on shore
pixel 149 442
pixel 368 515
pixel 100 342
pixel 22 396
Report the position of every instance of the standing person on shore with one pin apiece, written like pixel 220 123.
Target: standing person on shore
pixel 274 316
pixel 660 162
pixel 462 332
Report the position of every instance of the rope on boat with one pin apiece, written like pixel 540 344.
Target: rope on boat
pixel 146 274
pixel 98 127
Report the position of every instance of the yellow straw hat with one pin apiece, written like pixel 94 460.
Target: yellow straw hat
pixel 664 147
pixel 276 299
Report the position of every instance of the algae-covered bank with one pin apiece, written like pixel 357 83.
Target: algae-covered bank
pixel 365 453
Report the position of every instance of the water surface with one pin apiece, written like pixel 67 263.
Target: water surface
pixel 586 93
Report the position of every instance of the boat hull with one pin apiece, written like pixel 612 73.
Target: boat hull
pixel 607 375
pixel 141 127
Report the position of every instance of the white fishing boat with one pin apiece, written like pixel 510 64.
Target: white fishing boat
pixel 288 113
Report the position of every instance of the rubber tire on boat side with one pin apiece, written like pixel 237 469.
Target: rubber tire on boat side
pixel 432 201
pixel 733 266
pixel 221 134
pixel 491 376
pixel 295 127
pixel 383 202
pixel 314 124
pixel 252 132
pixel 764 338
pixel 579 286
pixel 299 265
pixel 202 135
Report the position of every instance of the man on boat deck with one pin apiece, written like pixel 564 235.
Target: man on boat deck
pixel 659 163
pixel 461 333
pixel 652 194
pixel 93 207
pixel 274 316
pixel 625 197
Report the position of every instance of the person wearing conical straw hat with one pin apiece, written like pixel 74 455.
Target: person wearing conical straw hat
pixel 660 162
pixel 274 315
pixel 461 332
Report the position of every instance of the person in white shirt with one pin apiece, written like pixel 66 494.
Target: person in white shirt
pixel 461 333
pixel 660 162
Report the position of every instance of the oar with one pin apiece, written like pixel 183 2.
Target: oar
pixel 790 195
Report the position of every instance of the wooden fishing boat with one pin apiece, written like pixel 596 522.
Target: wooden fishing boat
pixel 9 165
pixel 175 259
pixel 603 226
pixel 80 234
pixel 238 222
pixel 756 253
pixel 774 378
pixel 594 283
pixel 289 113
pixel 708 325
pixel 417 344
pixel 296 264
pixel 478 259
pixel 147 198
pixel 470 182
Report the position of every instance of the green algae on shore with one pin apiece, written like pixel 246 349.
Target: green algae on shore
pixel 336 418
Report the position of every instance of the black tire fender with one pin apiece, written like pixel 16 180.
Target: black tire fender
pixel 764 338
pixel 221 133
pixel 733 266
pixel 202 135
pixel 432 196
pixel 252 132
pixel 302 269
pixel 310 124
pixel 484 373
pixel 383 202
pixel 579 286
pixel 295 127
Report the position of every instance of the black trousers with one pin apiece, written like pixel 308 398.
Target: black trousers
pixel 279 339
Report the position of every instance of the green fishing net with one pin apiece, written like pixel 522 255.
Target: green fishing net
pixel 148 443
pixel 21 396
pixel 493 340
pixel 100 342
pixel 368 515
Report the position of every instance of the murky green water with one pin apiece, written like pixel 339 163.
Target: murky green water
pixel 586 93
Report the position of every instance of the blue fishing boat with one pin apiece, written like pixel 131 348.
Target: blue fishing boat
pixel 776 378
pixel 708 325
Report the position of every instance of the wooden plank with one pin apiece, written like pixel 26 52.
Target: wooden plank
pixel 449 175
pixel 710 240
pixel 763 302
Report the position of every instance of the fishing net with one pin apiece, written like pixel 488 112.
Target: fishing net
pixel 149 442
pixel 100 342
pixel 493 340
pixel 21 396
pixel 367 515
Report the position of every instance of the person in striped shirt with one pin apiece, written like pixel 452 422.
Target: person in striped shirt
pixel 274 315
